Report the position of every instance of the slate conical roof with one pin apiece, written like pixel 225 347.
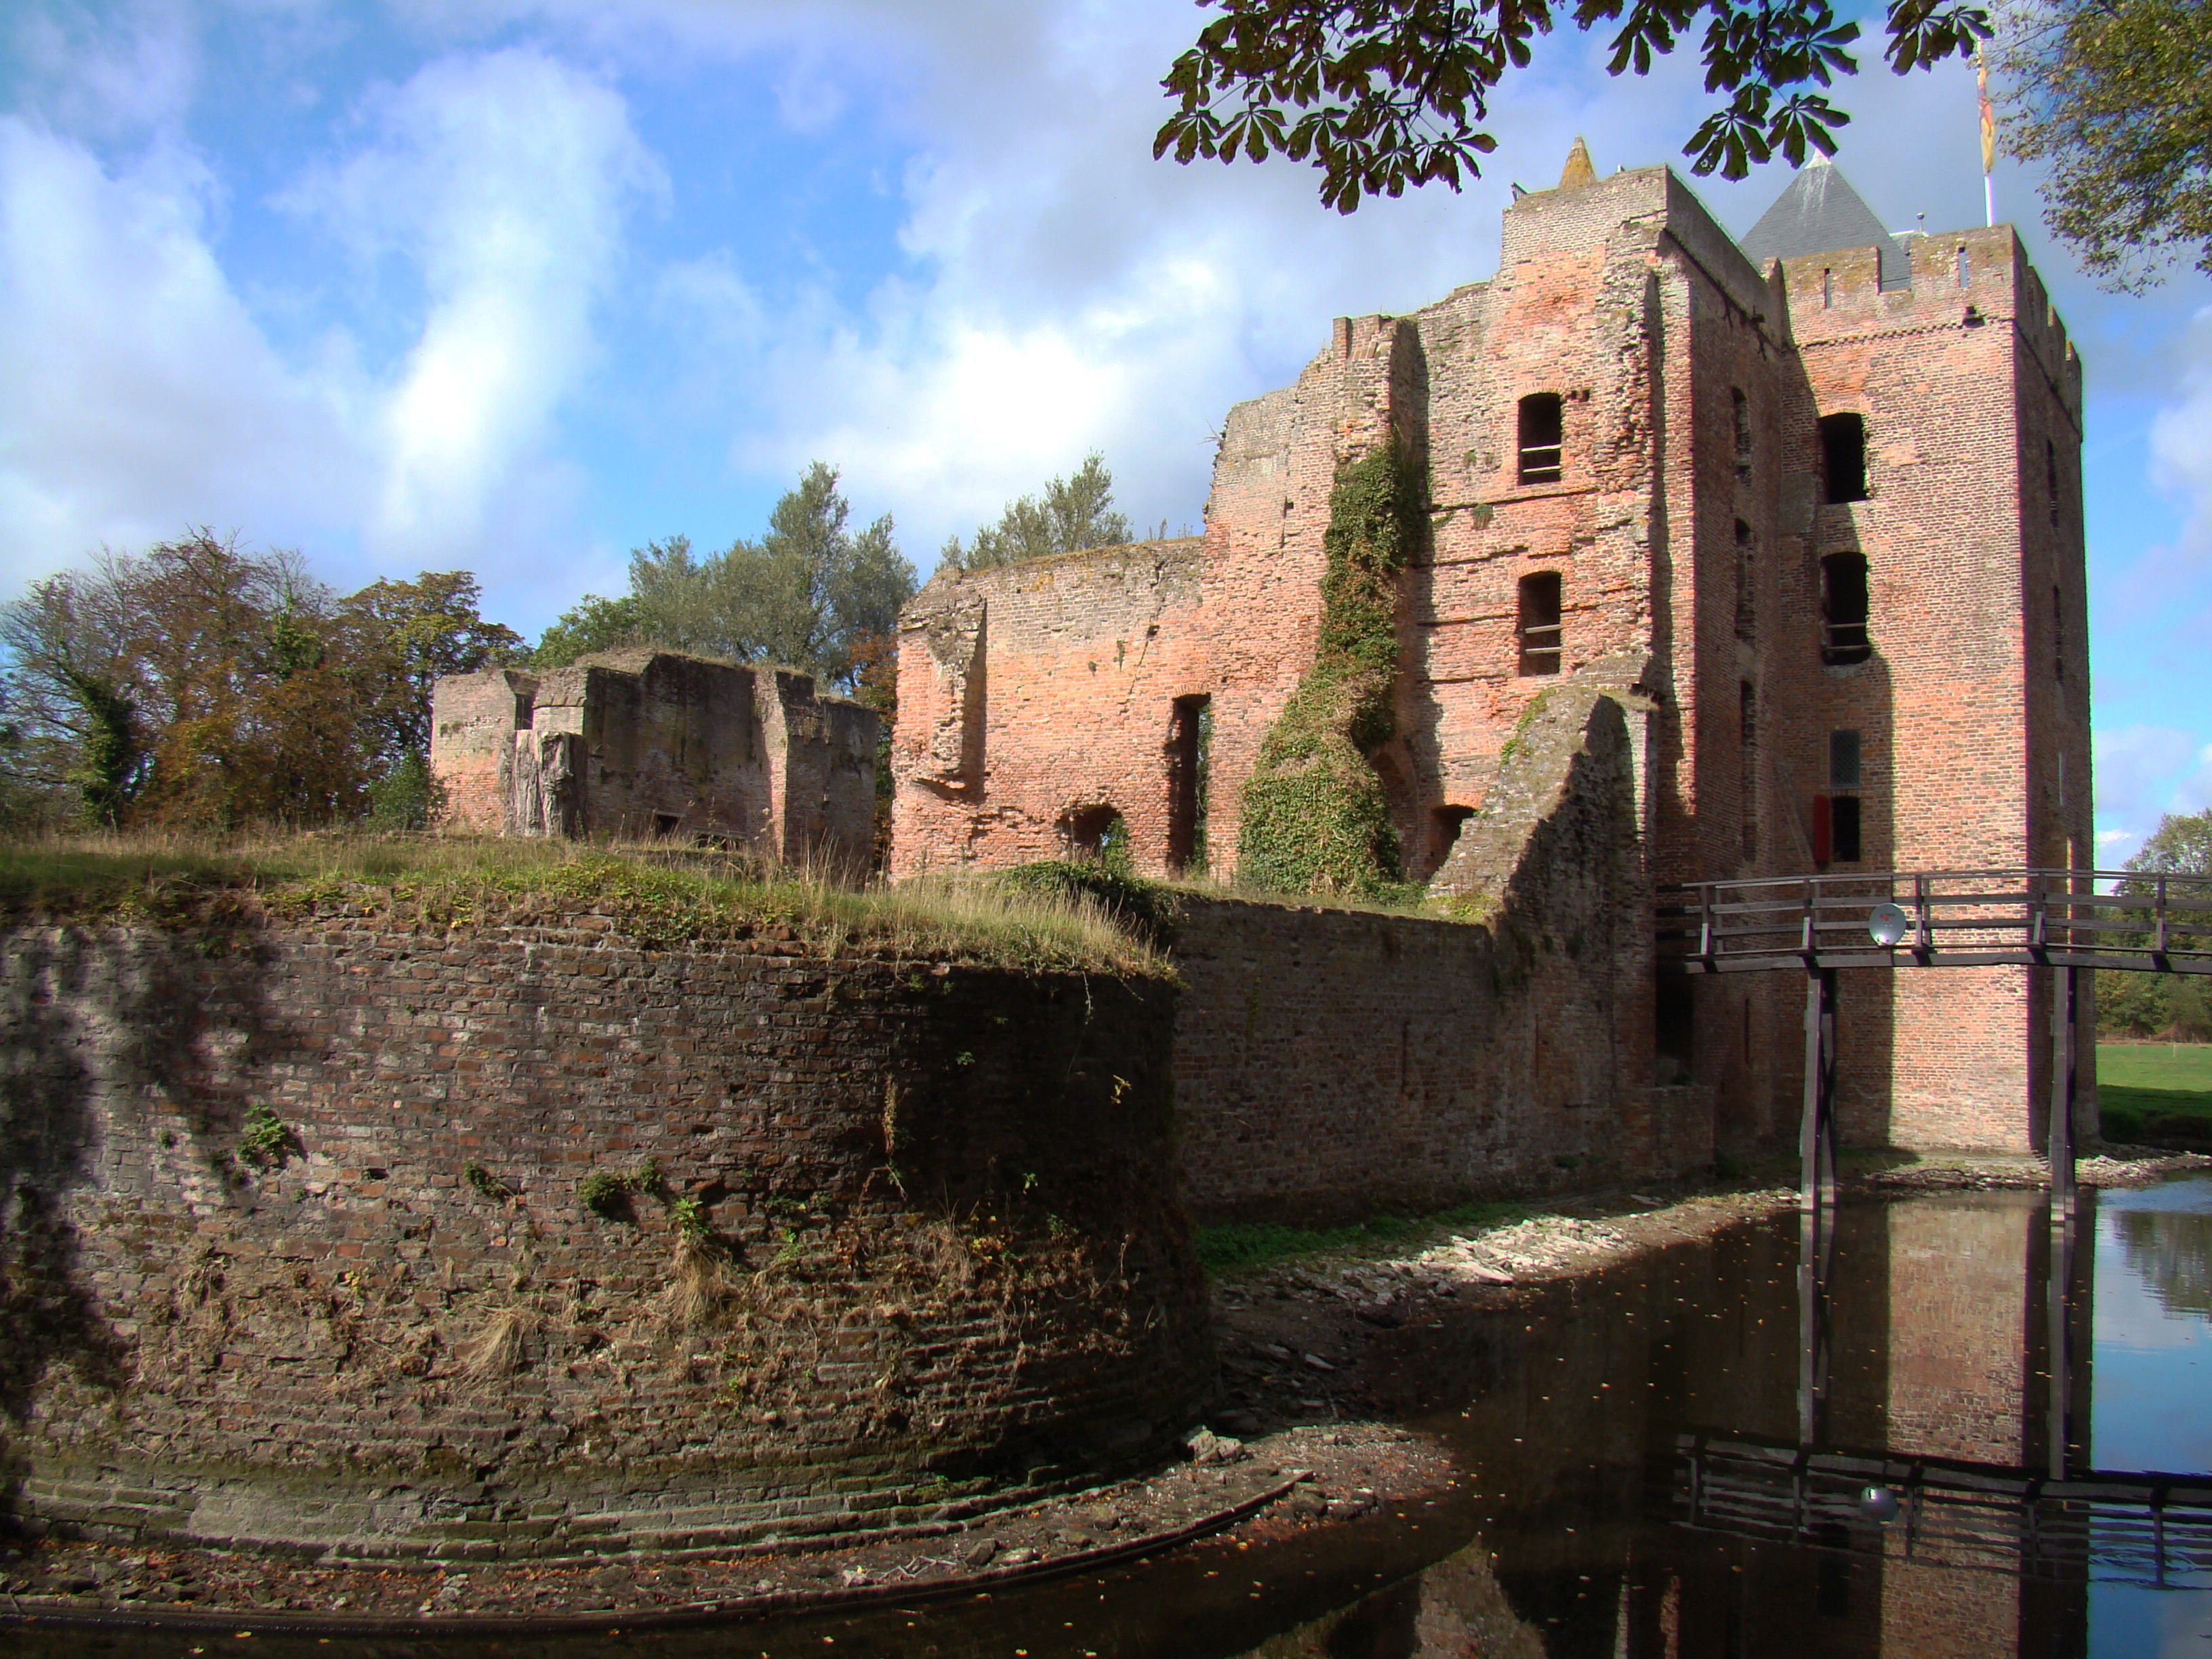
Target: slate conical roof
pixel 1820 213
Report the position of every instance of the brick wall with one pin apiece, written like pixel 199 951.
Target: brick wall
pixel 1332 1063
pixel 956 1264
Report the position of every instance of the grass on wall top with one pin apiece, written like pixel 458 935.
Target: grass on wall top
pixel 666 895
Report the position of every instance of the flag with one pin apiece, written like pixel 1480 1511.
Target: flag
pixel 1989 116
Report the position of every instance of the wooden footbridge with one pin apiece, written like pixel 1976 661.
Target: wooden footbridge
pixel 2063 921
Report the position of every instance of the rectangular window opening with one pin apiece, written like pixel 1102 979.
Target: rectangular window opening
pixel 1743 413
pixel 2057 633
pixel 664 825
pixel 1962 265
pixel 1747 734
pixel 1843 457
pixel 2051 478
pixel 1842 760
pixel 1843 814
pixel 1538 623
pixel 1542 432
pixel 1827 290
pixel 1844 636
pixel 1190 731
pixel 1746 577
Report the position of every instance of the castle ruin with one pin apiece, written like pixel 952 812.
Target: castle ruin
pixel 1804 512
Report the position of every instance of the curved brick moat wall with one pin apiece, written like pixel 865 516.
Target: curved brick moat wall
pixel 956 1269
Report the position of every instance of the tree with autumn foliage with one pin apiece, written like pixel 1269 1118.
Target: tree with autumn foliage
pixel 204 685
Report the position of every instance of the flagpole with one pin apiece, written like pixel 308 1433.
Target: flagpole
pixel 1989 137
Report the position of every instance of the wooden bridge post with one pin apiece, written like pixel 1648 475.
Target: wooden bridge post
pixel 1816 1129
pixel 2058 1140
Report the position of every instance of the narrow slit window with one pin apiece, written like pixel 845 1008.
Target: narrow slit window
pixel 1747 579
pixel 1542 432
pixel 1189 731
pixel 2057 632
pixel 1538 623
pixel 2051 478
pixel 1747 733
pixel 1843 457
pixel 1743 413
pixel 1962 265
pixel 1827 290
pixel 1844 637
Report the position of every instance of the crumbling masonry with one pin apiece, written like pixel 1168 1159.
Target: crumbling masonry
pixel 654 744
pixel 1804 513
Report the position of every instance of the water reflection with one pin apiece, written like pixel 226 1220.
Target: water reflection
pixel 2171 1253
pixel 1904 1466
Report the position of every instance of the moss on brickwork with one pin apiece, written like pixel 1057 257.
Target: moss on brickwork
pixel 1316 818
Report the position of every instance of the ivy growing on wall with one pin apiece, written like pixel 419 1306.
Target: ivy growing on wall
pixel 1316 818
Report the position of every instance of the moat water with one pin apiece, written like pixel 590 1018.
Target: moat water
pixel 1671 1460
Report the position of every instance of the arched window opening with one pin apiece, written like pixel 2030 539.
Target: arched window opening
pixel 1538 623
pixel 1746 581
pixel 1843 457
pixel 1190 731
pixel 1096 833
pixel 1844 636
pixel 1747 733
pixel 1742 412
pixel 1542 432
pixel 1449 820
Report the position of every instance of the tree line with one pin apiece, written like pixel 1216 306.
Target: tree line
pixel 205 686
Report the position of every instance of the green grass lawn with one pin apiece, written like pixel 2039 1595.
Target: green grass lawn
pixel 2155 1092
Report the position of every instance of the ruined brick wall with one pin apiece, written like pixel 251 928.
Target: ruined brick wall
pixel 956 1261
pixel 1339 1063
pixel 643 744
pixel 1035 694
pixel 472 725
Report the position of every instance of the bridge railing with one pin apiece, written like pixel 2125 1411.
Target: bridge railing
pixel 1952 919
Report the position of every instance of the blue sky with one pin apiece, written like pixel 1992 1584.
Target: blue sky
pixel 516 285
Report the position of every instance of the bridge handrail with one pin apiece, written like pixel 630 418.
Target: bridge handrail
pixel 1965 917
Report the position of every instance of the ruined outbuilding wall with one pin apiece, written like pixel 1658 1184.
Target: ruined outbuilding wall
pixel 957 1267
pixel 639 744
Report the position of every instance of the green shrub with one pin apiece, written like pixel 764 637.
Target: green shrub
pixel 264 1141
pixel 408 797
pixel 1315 818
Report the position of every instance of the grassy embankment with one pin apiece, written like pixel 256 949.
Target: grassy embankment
pixel 668 895
pixel 2155 1092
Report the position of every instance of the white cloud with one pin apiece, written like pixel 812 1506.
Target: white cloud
pixel 2144 772
pixel 2181 443
pixel 140 393
pixel 501 182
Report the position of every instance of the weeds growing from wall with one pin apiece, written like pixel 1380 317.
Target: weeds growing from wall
pixel 1316 818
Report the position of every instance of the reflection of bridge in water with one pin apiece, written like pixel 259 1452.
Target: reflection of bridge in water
pixel 2146 1529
